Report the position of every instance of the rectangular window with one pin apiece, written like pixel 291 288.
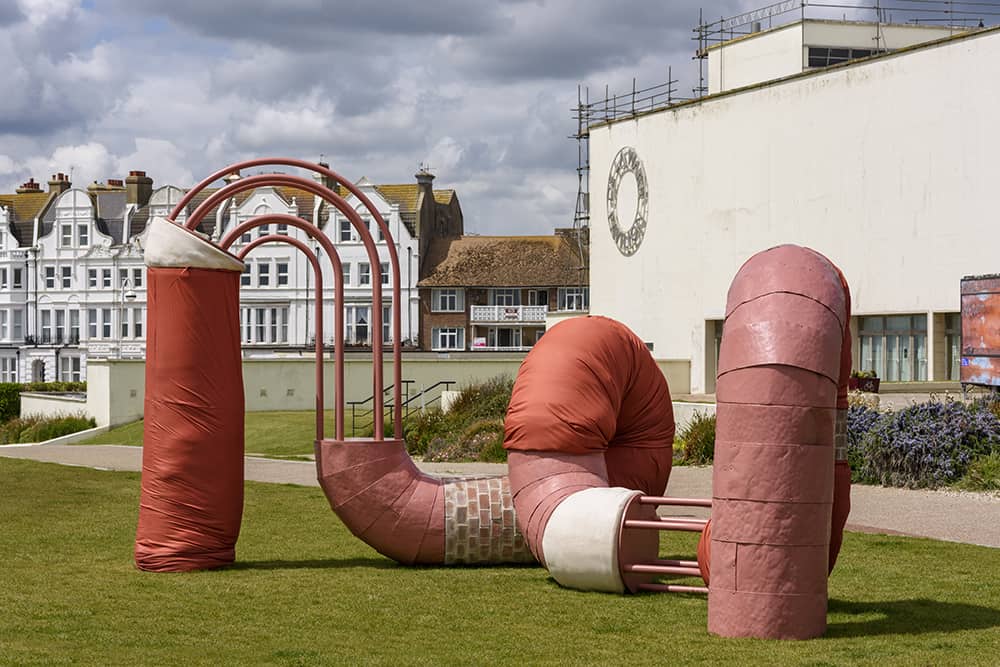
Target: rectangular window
pixel 261 326
pixel 282 273
pixel 67 277
pixel 3 278
pixel 447 300
pixel 137 278
pixel 263 274
pixel 284 325
pixel 246 237
pixel 538 297
pixel 357 323
pixel 60 326
pixel 345 231
pixel 74 326
pixel 452 338
pixel 574 298
pixel 18 279
pixel 122 277
pixel 106 278
pixel 364 273
pixel 384 268
pixel 273 325
pixel 953 344
pixel 895 347
pixel 137 314
pixel 8 369
pixel 386 324
pixel 381 236
pixel 245 278
pixel 105 323
pixel 69 369
pixel 17 326
pixel 346 266
pixel 282 227
pixel 91 277
pixel 263 230
pixel 50 277
pixel 3 325
pixel 123 325
pixel 83 235
pixel 66 236
pixel 505 297
pixel 46 326
pixel 246 328
pixel 92 323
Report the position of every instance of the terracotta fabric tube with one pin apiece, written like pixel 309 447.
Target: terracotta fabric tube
pixel 192 460
pixel 589 429
pixel 415 518
pixel 780 377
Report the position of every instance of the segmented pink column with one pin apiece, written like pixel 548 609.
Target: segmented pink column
pixel 773 477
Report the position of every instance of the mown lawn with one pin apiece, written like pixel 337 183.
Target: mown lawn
pixel 275 434
pixel 304 592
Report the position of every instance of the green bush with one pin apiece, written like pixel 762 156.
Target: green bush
pixel 472 430
pixel 698 438
pixel 983 474
pixel 10 400
pixel 40 429
pixel 10 394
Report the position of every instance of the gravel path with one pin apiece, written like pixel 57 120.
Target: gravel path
pixel 944 515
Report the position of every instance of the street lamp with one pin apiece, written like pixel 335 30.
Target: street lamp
pixel 127 294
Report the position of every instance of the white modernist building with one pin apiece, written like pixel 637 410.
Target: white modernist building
pixel 886 162
pixel 73 284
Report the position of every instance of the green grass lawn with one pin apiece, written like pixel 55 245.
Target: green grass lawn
pixel 304 591
pixel 275 434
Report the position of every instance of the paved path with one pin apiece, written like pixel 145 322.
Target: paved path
pixel 944 515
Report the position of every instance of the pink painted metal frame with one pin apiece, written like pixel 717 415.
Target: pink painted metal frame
pixel 393 265
pixel 338 313
pixel 314 261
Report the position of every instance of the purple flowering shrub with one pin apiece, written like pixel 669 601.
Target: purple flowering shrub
pixel 924 445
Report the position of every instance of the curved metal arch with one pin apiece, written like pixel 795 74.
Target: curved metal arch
pixel 314 261
pixel 338 313
pixel 332 197
pixel 397 354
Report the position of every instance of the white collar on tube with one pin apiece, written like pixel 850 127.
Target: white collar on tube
pixel 169 245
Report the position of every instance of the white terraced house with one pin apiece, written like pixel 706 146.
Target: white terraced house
pixel 72 277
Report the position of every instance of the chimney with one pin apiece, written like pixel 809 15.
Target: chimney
pixel 29 186
pixel 59 183
pixel 138 188
pixel 326 180
pixel 425 179
pixel 116 183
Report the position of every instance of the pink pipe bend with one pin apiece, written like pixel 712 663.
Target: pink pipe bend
pixel 782 370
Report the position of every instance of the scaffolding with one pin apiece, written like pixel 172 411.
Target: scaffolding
pixel 618 106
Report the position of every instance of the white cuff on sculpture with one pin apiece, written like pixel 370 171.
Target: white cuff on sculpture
pixel 581 539
pixel 170 246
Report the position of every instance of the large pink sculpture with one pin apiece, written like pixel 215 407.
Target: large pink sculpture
pixel 589 433
pixel 781 394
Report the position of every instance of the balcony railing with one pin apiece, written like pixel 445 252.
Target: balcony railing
pixel 508 313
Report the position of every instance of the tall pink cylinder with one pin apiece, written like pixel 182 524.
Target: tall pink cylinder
pixel 192 461
pixel 773 478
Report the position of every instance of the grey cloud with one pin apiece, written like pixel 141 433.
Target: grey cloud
pixel 322 24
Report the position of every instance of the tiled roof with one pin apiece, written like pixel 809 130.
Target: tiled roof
pixel 25 207
pixel 504 261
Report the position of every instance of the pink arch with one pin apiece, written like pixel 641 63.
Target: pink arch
pixel 330 196
pixel 311 256
pixel 397 355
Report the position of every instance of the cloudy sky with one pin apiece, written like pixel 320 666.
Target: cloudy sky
pixel 479 91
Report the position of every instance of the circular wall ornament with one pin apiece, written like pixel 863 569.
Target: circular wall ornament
pixel 629 238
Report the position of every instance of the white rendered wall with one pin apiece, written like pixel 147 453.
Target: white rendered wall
pixel 758 57
pixel 894 184
pixel 783 51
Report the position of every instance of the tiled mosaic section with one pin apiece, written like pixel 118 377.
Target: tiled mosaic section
pixel 479 524
pixel 840 437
